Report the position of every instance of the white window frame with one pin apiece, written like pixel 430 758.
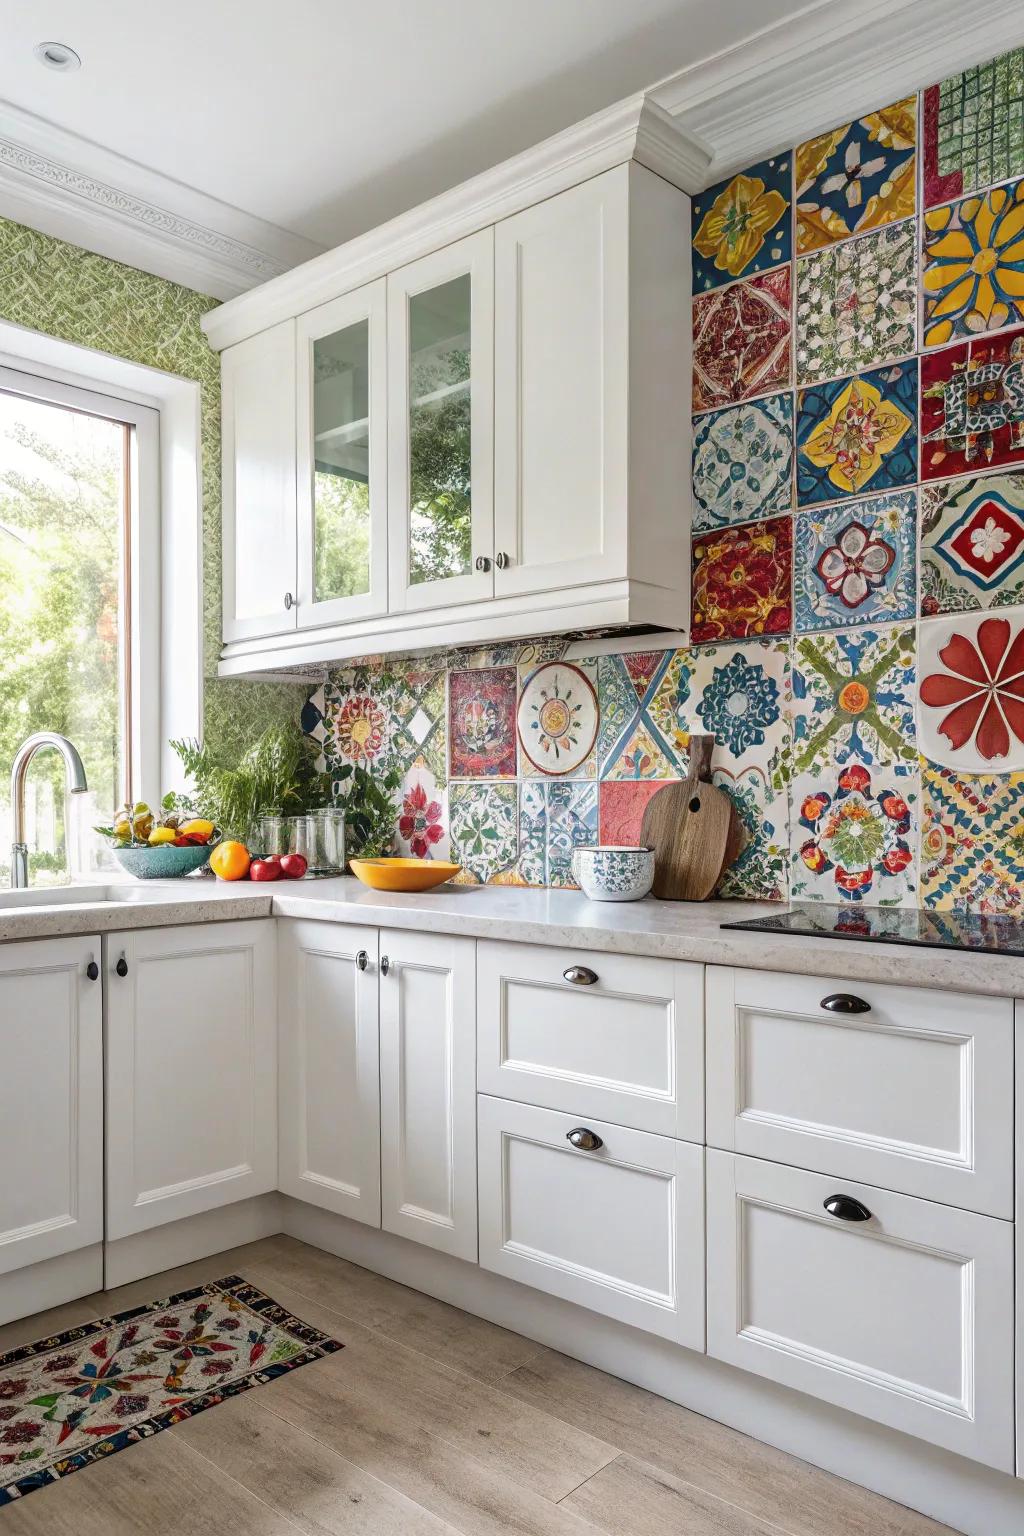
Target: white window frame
pixel 169 587
pixel 140 667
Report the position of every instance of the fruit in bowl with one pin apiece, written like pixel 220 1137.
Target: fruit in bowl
pixel 159 847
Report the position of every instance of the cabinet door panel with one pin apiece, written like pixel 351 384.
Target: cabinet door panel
pixel 619 1229
pixel 51 1101
pixel 342 434
pixel 561 347
pixel 191 1071
pixel 441 426
pixel 428 1090
pixel 914 1092
pixel 329 1068
pixel 258 426
pixel 905 1316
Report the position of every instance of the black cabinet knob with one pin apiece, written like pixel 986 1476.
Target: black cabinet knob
pixel 847 1208
pixel 362 959
pixel 845 1002
pixel 122 967
pixel 584 1140
pixel 385 965
pixel 92 970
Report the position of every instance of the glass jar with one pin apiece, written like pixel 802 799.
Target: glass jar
pixel 274 834
pixel 326 833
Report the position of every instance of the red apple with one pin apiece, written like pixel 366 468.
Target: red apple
pixel 264 869
pixel 293 866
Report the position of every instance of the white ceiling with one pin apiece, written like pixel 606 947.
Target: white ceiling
pixel 326 117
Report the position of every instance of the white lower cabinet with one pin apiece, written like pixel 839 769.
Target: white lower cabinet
pixel 329 1073
pixel 598 1214
pixel 897 1308
pixel 428 1089
pixel 51 1101
pixel 191 1070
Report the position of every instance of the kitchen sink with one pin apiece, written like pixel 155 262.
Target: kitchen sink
pixel 90 894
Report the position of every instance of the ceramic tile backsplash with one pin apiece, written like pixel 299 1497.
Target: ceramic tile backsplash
pixel 858 493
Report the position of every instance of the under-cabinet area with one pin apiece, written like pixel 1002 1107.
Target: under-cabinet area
pixel 806 1179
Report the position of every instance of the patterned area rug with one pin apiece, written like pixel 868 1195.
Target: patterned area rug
pixel 68 1401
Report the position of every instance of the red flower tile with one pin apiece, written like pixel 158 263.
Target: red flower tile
pixel 972 406
pixel 741 338
pixel 742 582
pixel 621 806
pixel 482 723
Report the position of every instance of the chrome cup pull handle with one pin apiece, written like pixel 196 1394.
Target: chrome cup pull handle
pixel 584 1139
pixel 580 975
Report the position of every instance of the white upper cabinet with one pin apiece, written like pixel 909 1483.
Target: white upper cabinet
pixel 440 426
pixel 342 436
pixel 473 423
pixel 589 456
pixel 258 409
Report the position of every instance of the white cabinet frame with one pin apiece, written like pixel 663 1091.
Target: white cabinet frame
pixel 475 256
pixel 369 304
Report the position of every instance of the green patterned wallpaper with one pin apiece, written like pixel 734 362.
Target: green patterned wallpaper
pixel 71 293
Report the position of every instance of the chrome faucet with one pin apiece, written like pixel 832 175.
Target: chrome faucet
pixel 74 778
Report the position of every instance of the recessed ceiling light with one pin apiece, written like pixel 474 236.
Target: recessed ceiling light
pixel 57 56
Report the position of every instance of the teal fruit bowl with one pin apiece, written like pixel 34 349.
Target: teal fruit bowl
pixel 163 862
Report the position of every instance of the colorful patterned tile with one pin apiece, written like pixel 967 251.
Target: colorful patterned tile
pixel 484 835
pixel 641 667
pixel 557 719
pixel 743 463
pixel 739 695
pixel 631 744
pixel 856 303
pixel 972 406
pixel 422 815
pixel 571 824
pixel 357 727
pixel 742 580
pixel 972 848
pixel 855 562
pixel 418 723
pixel 482 723
pixel 761 873
pixel 743 225
pixel 973 273
pixel 972 544
pixel 555 817
pixel 741 340
pixel 853 698
pixel 852 835
pixel 973 129
pixel 857 435
pixel 857 177
pixel 621 806
pixel 533 816
pixel 970 712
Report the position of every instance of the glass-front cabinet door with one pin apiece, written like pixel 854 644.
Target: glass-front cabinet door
pixel 342 459
pixel 441 426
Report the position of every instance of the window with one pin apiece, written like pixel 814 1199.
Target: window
pixel 79 601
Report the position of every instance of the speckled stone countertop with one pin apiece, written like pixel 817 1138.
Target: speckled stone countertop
pixel 670 930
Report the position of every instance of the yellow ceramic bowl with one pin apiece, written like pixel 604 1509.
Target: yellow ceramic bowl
pixel 403 874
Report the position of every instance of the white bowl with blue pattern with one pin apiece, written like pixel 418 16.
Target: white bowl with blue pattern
pixel 613 872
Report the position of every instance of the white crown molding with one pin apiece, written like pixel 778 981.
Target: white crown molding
pixel 832 62
pixel 634 129
pixel 66 186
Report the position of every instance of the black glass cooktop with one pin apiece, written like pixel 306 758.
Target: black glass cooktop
pixel 999 934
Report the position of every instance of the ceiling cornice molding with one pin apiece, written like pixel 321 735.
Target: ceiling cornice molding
pixel 826 66
pixel 634 129
pixel 133 214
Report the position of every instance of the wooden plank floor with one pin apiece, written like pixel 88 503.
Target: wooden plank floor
pixel 431 1422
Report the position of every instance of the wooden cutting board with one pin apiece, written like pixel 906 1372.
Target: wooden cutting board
pixel 694 830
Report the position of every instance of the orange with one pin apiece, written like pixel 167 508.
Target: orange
pixel 230 861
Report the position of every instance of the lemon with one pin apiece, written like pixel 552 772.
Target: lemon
pixel 162 835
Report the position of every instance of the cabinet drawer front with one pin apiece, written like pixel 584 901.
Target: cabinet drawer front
pixel 619 1229
pixel 905 1317
pixel 628 1046
pixel 913 1092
